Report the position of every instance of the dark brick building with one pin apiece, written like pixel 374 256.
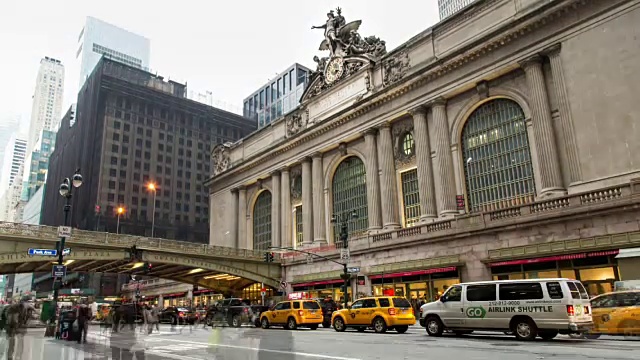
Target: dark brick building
pixel 133 128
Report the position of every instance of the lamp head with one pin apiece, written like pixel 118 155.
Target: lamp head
pixel 64 188
pixel 120 210
pixel 77 180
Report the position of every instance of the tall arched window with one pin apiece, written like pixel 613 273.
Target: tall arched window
pixel 497 157
pixel 262 221
pixel 349 189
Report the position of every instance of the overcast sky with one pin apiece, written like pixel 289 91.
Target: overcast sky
pixel 230 48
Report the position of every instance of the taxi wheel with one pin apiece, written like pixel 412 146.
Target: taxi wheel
pixel 524 328
pixel 402 329
pixel 292 324
pixel 313 327
pixel 379 325
pixel 434 326
pixel 338 324
pixel 590 336
pixel 264 323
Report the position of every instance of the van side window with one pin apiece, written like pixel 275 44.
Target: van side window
pixel 555 290
pixel 481 292
pixel 384 302
pixel 453 294
pixel 577 290
pixel 521 291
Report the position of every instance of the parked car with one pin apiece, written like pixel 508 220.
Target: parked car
pixel 233 312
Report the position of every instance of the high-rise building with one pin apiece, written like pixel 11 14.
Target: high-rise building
pixel 10 204
pixel 278 96
pixel 39 165
pixel 8 126
pixel 447 8
pixel 99 38
pixel 46 107
pixel 14 157
pixel 134 128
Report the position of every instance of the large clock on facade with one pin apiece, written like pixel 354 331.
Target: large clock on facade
pixel 334 70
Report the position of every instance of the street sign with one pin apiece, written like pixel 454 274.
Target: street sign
pixel 263 293
pixel 344 254
pixel 283 285
pixel 59 271
pixel 43 252
pixel 66 251
pixel 64 231
pixel 353 270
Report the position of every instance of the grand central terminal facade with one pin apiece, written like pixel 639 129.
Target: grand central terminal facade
pixel 502 143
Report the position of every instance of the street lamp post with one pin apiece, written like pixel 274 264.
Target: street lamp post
pixel 66 191
pixel 120 211
pixel 343 219
pixel 152 187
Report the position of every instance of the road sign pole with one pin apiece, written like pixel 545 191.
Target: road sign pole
pixel 57 284
pixel 262 293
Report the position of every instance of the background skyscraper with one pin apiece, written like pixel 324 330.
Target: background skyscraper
pixel 447 8
pixel 99 38
pixel 47 99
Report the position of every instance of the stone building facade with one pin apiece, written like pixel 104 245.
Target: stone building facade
pixel 500 143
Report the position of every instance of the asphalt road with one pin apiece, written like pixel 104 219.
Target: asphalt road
pixel 277 344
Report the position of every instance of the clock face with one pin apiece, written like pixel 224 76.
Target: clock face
pixel 334 70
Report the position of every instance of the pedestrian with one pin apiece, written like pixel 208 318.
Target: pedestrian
pixel 125 342
pixel 83 317
pixel 16 315
pixel 155 313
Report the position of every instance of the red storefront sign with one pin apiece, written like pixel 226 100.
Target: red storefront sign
pixel 388 292
pixel 556 258
pixel 414 273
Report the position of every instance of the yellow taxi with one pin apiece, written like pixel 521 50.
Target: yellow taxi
pixel 616 313
pixel 293 314
pixel 380 313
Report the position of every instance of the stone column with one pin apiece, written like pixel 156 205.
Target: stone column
pixel 388 185
pixel 275 209
pixel 428 208
pixel 319 230
pixel 447 204
pixel 285 205
pixel 373 181
pixel 307 203
pixel 550 176
pixel 566 120
pixel 242 218
pixel 234 220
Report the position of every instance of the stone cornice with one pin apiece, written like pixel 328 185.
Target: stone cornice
pixel 418 110
pixel 508 33
pixel 551 51
pixel 535 60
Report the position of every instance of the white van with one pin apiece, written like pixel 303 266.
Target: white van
pixel 528 308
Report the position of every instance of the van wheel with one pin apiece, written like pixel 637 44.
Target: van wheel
pixel 338 324
pixel 434 326
pixel 524 328
pixel 379 325
pixel 264 323
pixel 548 334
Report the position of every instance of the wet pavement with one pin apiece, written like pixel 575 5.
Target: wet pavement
pixel 184 343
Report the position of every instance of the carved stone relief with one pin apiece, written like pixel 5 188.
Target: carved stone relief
pixel 395 68
pixel 400 131
pixel 295 123
pixel 220 158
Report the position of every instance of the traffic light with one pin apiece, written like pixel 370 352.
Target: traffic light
pixel 268 257
pixel 344 236
pixel 147 268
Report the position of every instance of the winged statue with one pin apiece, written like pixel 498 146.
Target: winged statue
pixel 342 38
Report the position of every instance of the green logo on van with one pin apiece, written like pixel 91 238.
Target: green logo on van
pixel 476 312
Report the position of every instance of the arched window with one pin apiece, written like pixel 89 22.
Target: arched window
pixel 349 188
pixel 497 157
pixel 262 221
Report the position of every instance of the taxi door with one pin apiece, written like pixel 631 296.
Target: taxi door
pixel 354 315
pixel 284 312
pixel 365 314
pixel 601 308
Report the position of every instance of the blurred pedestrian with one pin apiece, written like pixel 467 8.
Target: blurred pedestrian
pixel 17 315
pixel 83 316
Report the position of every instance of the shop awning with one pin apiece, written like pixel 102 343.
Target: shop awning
pixel 414 273
pixel 628 253
pixel 314 283
pixel 555 258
